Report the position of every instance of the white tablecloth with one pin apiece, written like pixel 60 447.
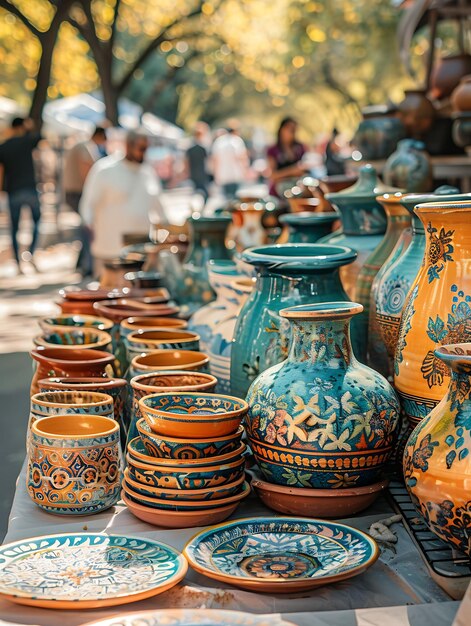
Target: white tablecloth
pixel 397 579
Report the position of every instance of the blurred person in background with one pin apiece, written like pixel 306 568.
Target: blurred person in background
pixel 285 156
pixel 230 161
pixel 196 157
pixel 120 197
pixel 78 162
pixel 19 181
pixel 334 162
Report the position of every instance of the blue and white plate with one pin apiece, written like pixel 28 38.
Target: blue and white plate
pixel 87 570
pixel 280 554
pixel 191 617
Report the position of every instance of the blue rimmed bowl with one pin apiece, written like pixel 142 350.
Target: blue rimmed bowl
pixel 77 321
pixel 145 341
pixel 71 338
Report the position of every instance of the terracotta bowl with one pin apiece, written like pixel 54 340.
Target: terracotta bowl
pixel 81 321
pixel 186 478
pixel 72 338
pixel 138 452
pixel 133 324
pixel 195 415
pixel 321 503
pixel 177 495
pixel 118 310
pixel 102 385
pixel 70 403
pixel 179 519
pixel 162 360
pixel 146 384
pixel 173 448
pixel 184 505
pixel 145 341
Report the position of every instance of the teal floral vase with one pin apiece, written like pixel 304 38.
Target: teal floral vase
pixel 437 459
pixel 409 168
pixel 378 133
pixel 306 227
pixel 221 275
pixel 322 419
pixel 363 222
pixel 287 274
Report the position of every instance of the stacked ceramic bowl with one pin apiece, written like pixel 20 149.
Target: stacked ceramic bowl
pixel 187 467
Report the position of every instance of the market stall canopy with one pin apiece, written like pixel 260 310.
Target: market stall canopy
pixel 161 128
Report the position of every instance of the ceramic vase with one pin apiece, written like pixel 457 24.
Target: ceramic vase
pixel 409 167
pixel 321 419
pixel 461 97
pixel 247 229
pixel 223 334
pixel 221 274
pixel 398 221
pixel 416 112
pixel 308 227
pixel 378 133
pixel 447 74
pixel 363 222
pixel 70 363
pixel 437 309
pixel 437 460
pixel 287 274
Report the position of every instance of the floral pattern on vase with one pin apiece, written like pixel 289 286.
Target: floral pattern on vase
pixel 321 419
pixel 437 460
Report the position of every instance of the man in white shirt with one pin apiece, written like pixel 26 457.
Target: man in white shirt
pixel 120 197
pixel 230 161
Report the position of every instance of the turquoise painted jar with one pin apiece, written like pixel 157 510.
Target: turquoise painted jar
pixel 322 419
pixel 363 222
pixel 287 274
pixel 409 167
pixel 221 273
pixel 306 227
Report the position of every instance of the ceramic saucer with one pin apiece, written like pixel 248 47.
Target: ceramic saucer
pixel 280 554
pixel 87 570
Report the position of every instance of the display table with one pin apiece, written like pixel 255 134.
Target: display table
pixel 397 579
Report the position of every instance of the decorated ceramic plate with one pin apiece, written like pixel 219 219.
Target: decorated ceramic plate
pixel 87 570
pixel 190 617
pixel 280 554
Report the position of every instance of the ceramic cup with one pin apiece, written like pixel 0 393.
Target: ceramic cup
pixel 145 341
pixel 71 338
pixel 78 321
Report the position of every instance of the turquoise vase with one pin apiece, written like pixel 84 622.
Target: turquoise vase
pixel 363 222
pixel 287 274
pixel 321 419
pixel 409 167
pixel 308 227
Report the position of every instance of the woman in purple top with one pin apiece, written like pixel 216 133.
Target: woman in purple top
pixel 284 158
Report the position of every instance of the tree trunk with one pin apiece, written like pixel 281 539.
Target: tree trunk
pixel 110 93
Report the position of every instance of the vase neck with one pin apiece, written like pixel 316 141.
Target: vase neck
pixel 272 286
pixel 321 342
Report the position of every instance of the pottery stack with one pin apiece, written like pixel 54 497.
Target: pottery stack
pixel 186 468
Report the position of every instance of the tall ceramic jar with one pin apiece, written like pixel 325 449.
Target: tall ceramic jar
pixel 363 222
pixel 221 274
pixel 416 112
pixel 321 419
pixel 378 133
pixel 287 274
pixel 437 309
pixel 308 227
pixel 437 459
pixel 394 280
pixel 398 221
pixel 409 167
pixel 223 335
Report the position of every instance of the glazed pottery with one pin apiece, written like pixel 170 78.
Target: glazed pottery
pixel 437 464
pixel 53 572
pixel 221 274
pixel 168 360
pixel 321 419
pixel 87 321
pixel 447 74
pixel 437 309
pixel 197 415
pixel 145 279
pixel 280 555
pixel 186 478
pixel 247 229
pixel 363 222
pixel 70 338
pixel 323 503
pixel 378 133
pixel 70 363
pixel 308 227
pixel 392 283
pixel 288 274
pixel 179 519
pixel 223 334
pixel 73 465
pixel 416 112
pixel 462 129
pixel 461 97
pixel 147 384
pixel 186 448
pixel 398 221
pixel 138 453
pixel 145 341
pixel 409 167
pixel 76 300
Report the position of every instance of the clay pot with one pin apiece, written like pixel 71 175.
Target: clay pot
pixel 334 184
pixel 461 96
pixel 416 112
pixel 145 341
pixel 72 338
pixel 163 360
pixel 113 274
pixel 409 167
pixel 448 73
pixel 462 129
